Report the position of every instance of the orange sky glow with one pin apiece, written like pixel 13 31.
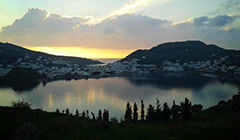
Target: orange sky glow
pixel 83 52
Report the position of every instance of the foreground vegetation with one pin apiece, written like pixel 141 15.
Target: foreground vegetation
pixel 218 122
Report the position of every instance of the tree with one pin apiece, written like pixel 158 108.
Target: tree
pixel 83 114
pixel 93 116
pixel 174 110
pixel 57 110
pixel 99 115
pixel 67 111
pixel 166 112
pixel 150 114
pixel 135 112
pixel 77 113
pixel 142 111
pixel 158 111
pixel 128 113
pixel 87 114
pixel 105 115
pixel 186 109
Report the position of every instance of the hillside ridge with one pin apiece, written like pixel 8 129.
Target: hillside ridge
pixel 186 51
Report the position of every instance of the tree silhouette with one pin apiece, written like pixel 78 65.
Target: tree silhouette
pixel 77 113
pixel 174 110
pixel 93 116
pixel 150 114
pixel 142 111
pixel 166 112
pixel 186 109
pixel 135 112
pixel 99 115
pixel 105 115
pixel 67 111
pixel 83 114
pixel 158 111
pixel 57 110
pixel 87 114
pixel 128 113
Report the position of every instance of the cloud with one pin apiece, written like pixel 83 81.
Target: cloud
pixel 232 4
pixel 130 7
pixel 127 31
pixel 220 20
pixel 200 21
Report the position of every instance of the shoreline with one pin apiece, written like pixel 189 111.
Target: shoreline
pixel 205 74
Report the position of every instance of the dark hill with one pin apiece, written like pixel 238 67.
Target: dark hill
pixel 9 53
pixel 185 52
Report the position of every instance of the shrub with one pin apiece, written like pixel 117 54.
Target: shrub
pixel 21 104
pixel 57 110
pixel 114 120
pixel 222 102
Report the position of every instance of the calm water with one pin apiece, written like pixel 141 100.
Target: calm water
pixel 106 61
pixel 114 93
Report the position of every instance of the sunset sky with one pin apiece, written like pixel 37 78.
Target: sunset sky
pixel 115 28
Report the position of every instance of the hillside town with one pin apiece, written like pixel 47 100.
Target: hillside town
pixel 55 68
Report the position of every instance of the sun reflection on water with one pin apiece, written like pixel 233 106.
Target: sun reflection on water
pixel 68 98
pixel 91 95
pixel 50 100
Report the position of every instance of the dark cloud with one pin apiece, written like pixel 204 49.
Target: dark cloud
pixel 220 20
pixel 129 31
pixel 200 21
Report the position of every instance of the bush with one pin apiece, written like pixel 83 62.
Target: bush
pixel 222 102
pixel 21 104
pixel 114 120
